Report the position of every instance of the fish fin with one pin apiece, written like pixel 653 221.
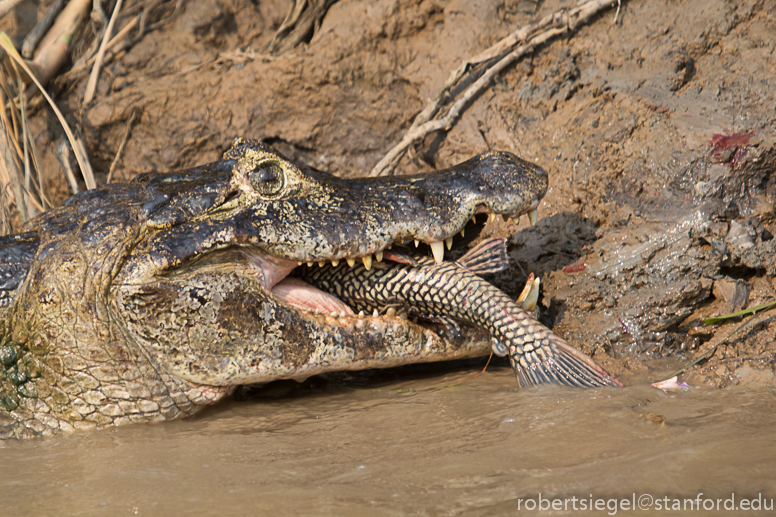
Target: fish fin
pixel 489 256
pixel 550 360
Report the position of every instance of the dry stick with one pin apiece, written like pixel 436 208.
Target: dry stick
pixel 54 48
pixel 33 38
pixel 7 5
pixel 705 355
pixel 423 125
pixel 496 50
pixel 114 40
pixel 63 155
pixel 6 90
pixel 619 5
pixel 83 162
pixel 91 85
pixel 34 151
pixel 25 141
pixel 9 173
pixel 446 122
pixel 89 58
pixel 124 141
pixel 10 94
pixel 74 10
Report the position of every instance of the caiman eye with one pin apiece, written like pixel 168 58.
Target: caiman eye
pixel 268 180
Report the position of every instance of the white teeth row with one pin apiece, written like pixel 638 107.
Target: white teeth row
pixel 437 248
pixel 351 261
pixel 532 216
pixel 391 311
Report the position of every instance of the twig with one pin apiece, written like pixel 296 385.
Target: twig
pixel 91 85
pixel 33 38
pixel 424 125
pixel 54 48
pixel 124 141
pixel 83 162
pixel 494 51
pixel 81 65
pixel 619 5
pixel 9 174
pixel 710 351
pixel 63 155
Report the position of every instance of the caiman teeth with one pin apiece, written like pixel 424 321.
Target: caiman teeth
pixel 335 263
pixel 417 242
pixel 379 256
pixel 321 264
pixel 438 249
pixel 491 218
pixel 462 232
pixel 391 311
pixel 367 262
pixel 309 264
pixel 532 214
pixel 375 313
pixel 351 262
pixel 474 220
pixel 449 243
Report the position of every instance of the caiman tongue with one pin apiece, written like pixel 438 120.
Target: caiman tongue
pixel 273 275
pixel 302 295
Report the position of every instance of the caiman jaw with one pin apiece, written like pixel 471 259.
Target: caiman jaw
pixel 305 297
pixel 281 215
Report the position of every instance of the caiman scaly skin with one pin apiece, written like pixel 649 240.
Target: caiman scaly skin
pixel 148 300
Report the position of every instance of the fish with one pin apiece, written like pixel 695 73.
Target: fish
pixel 453 293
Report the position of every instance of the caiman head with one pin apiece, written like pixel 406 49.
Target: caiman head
pixel 149 300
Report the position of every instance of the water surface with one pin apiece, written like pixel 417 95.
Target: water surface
pixel 392 444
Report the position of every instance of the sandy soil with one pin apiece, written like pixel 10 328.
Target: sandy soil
pixel 658 134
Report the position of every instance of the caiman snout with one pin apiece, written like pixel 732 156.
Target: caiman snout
pixel 335 219
pixel 493 183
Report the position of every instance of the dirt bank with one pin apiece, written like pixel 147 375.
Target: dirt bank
pixel 658 133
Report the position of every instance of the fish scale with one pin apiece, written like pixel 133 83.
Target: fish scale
pixel 450 290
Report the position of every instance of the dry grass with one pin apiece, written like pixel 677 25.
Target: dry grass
pixel 22 189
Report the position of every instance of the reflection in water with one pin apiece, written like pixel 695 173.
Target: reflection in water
pixel 390 444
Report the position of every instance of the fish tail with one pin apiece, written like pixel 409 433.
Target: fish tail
pixel 550 360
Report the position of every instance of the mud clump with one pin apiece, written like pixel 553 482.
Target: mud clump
pixel 658 133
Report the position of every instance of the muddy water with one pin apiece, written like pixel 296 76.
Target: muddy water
pixel 392 444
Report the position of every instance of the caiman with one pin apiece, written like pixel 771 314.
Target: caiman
pixel 149 300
